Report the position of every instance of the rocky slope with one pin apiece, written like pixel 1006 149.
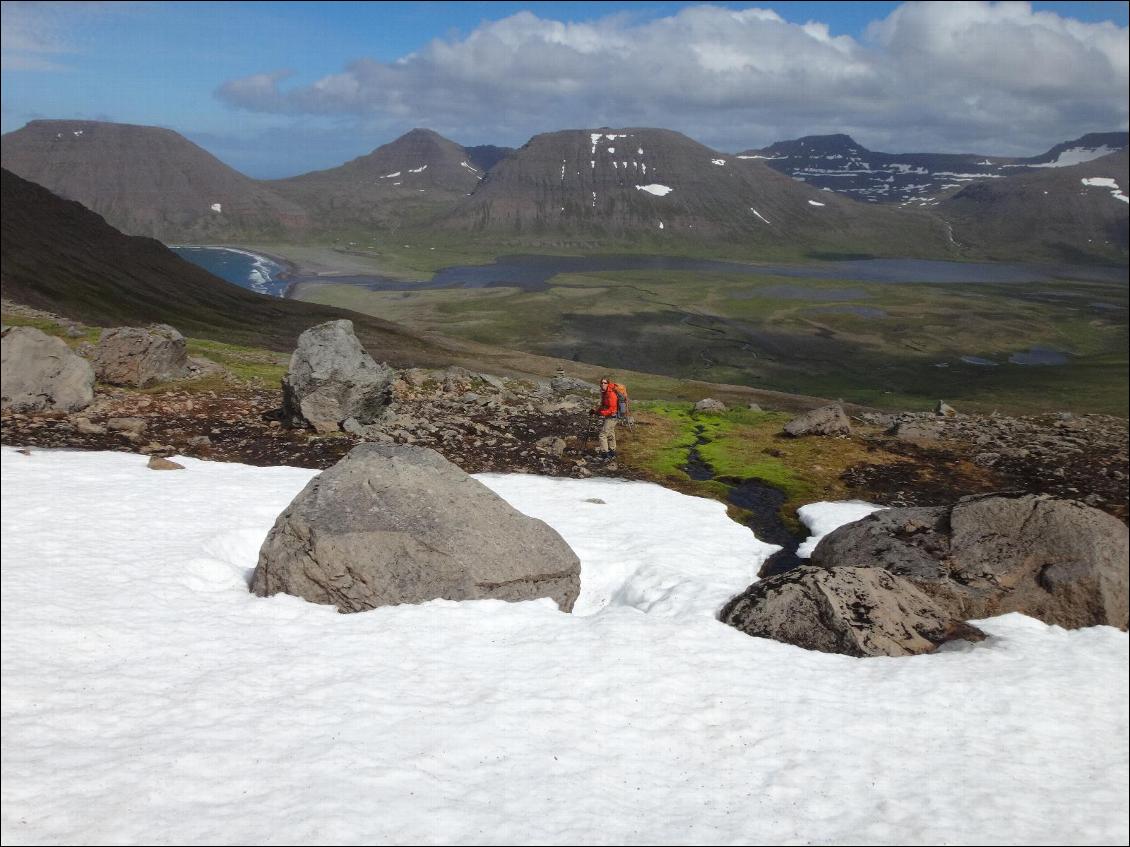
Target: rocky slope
pixel 148 181
pixel 839 163
pixel 1071 213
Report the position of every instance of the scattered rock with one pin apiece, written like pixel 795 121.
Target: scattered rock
pixel 916 431
pixel 156 463
pixel 551 444
pixel 130 426
pixel 38 373
pixel 390 524
pixel 854 611
pixel 1057 560
pixel 86 427
pixel 753 407
pixel 709 404
pixel 943 409
pixel 332 378
pixel 140 357
pixel 596 500
pixel 827 420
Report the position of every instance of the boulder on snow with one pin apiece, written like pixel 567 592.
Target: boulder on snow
pixel 39 373
pixel 140 357
pixel 1057 560
pixel 827 420
pixel 332 378
pixel 854 611
pixel 392 524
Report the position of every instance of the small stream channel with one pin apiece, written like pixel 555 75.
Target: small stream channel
pixel 762 501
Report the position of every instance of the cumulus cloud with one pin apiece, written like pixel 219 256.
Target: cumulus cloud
pixel 991 77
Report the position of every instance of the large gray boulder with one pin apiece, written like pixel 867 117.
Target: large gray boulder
pixel 140 356
pixel 331 379
pixel 1057 560
pixel 854 611
pixel 40 373
pixel 393 524
pixel 827 420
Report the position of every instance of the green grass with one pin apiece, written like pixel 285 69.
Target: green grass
pixel 746 330
pixel 742 445
pixel 251 364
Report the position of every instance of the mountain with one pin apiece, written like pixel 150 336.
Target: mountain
pixel 1094 145
pixel 148 181
pixel 59 256
pixel 407 181
pixel 1065 213
pixel 617 183
pixel 839 163
pixel 486 156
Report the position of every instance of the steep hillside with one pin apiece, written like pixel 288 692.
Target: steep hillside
pixel 1069 213
pixel 667 188
pixel 148 181
pixel 405 182
pixel 839 163
pixel 59 256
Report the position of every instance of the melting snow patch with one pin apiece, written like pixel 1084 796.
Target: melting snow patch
pixel 78 132
pixel 217 207
pixel 418 170
pixel 759 215
pixel 611 149
pixel 718 161
pixel 1077 156
pixel 468 167
pixel 390 176
pixel 812 203
pixel 661 224
pixel 1107 182
pixel 656 189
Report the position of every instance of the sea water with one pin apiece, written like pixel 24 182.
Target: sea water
pixel 241 267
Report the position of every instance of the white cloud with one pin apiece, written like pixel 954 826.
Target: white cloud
pixel 995 77
pixel 35 36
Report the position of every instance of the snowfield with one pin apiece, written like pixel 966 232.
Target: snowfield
pixel 148 698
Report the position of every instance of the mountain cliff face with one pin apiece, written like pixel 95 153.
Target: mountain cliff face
pixel 1069 213
pixel 839 163
pixel 148 181
pixel 407 181
pixel 658 183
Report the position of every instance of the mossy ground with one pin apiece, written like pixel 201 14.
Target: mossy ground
pixel 740 445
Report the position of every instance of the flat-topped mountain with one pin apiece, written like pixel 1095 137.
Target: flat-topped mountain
pixel 839 163
pixel 1067 213
pixel 148 181
pixel 407 181
pixel 654 182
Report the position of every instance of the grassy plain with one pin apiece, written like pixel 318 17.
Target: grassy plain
pixel 884 345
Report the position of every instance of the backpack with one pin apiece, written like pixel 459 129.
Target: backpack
pixel 621 399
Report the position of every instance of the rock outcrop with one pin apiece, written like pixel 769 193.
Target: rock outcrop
pixel 40 373
pixel 332 380
pixel 140 357
pixel 827 420
pixel 394 524
pixel 1057 560
pixel 854 611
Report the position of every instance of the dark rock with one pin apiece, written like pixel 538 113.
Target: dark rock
pixel 38 373
pixel 854 611
pixel 827 420
pixel 1057 560
pixel 390 524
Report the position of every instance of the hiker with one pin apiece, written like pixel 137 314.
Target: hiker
pixel 610 413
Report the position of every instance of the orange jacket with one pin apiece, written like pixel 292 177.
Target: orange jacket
pixel 609 403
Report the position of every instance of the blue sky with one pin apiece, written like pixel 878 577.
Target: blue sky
pixel 280 88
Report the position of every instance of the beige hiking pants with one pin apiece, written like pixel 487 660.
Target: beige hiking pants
pixel 608 435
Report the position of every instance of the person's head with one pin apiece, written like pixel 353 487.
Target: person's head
pixel 605 382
